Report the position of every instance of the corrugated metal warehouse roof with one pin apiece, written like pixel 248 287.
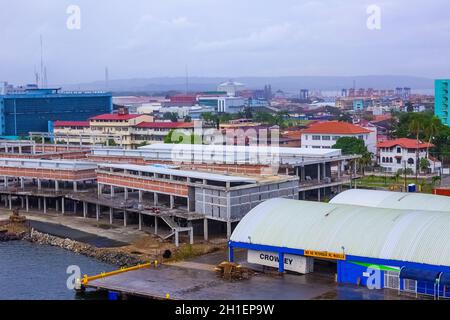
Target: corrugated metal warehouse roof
pixel 404 235
pixel 393 200
pixel 49 164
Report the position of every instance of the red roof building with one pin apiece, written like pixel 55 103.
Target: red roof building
pixel 335 127
pixel 166 125
pixel 61 124
pixel 404 143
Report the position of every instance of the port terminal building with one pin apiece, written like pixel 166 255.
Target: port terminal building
pixel 405 248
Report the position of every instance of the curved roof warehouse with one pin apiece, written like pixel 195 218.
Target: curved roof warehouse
pixel 393 200
pixel 355 236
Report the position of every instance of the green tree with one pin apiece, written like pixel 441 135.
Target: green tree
pixel 415 128
pixel 172 116
pixel 424 164
pixel 351 145
pixel 188 119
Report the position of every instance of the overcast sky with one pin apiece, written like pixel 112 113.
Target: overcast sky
pixel 148 38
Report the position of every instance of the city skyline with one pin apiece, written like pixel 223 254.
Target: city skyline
pixel 141 39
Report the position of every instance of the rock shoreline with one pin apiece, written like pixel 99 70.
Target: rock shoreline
pixel 107 255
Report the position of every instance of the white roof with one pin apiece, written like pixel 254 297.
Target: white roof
pixel 179 173
pixel 393 200
pixel 404 235
pixel 230 149
pixel 49 164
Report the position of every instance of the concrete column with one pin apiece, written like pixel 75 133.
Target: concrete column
pixel 22 202
pixel 75 186
pixel 63 209
pixel 155 199
pixel 97 212
pixel 74 207
pixel 111 215
pixel 10 202
pixel 191 236
pixel 339 169
pixel 6 201
pixel 126 193
pixel 172 202
pixel 228 230
pixel 156 225
pixel 140 221
pixel 324 171
pixel 39 204
pixel 177 239
pixel 39 183
pixel 318 172
pixel 5 180
pixel 57 204
pixel 205 229
pixel 99 189
pixel 22 183
pixel 318 194
pixel 85 209
pixel 56 185
pixel 27 203
pixel 125 218
pixel 112 191
pixel 45 205
pixel 141 196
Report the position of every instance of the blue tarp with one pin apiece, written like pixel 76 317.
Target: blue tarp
pixel 419 275
pixel 445 279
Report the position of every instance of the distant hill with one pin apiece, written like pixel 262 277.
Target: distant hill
pixel 289 84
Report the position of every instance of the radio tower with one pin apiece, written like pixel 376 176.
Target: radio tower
pixel 106 79
pixel 42 62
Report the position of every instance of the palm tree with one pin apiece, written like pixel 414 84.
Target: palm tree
pixel 432 130
pixel 414 128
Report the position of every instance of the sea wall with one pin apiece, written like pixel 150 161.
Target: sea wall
pixel 108 255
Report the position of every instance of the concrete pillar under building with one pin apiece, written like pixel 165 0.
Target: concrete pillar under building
pixel 140 221
pixel 112 191
pixel 75 186
pixel 10 202
pixel 45 204
pixel 75 205
pixel 156 225
pixel 56 185
pixel 27 204
pixel 172 202
pixel 99 189
pixel 39 184
pixel 318 172
pixel 125 193
pixel 155 199
pixel 111 211
pixel 22 183
pixel 318 195
pixel 125 218
pixel 97 212
pixel 39 204
pixel 57 205
pixel 228 230
pixel 141 196
pixel 191 236
pixel 22 202
pixel 85 209
pixel 177 238
pixel 5 181
pixel 63 209
pixel 205 229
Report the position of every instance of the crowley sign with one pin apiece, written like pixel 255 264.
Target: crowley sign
pixel 295 263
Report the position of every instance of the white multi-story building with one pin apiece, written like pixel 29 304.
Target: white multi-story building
pixel 324 135
pixel 400 154
pixel 231 87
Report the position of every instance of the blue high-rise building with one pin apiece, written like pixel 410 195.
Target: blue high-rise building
pixel 32 110
pixel 441 100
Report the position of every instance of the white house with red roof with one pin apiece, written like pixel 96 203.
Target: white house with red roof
pixel 401 153
pixel 323 135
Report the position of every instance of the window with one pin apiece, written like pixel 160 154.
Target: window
pixel 316 147
pixel 306 137
pixel 399 150
pixel 399 160
pixel 410 161
pixel 316 137
pixel 361 137
pixel 383 160
pixel 326 138
pixel 335 138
